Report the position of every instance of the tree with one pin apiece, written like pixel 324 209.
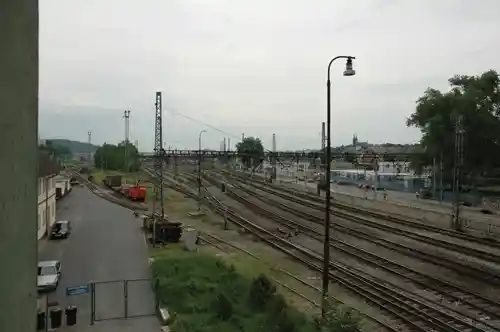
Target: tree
pixel 477 100
pixel 250 151
pixel 112 157
pixel 57 151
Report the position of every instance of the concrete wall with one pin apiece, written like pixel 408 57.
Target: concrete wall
pixel 46 204
pixel 19 163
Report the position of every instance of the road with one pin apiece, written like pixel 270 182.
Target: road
pixel 106 244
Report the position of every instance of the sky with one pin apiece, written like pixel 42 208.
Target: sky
pixel 234 67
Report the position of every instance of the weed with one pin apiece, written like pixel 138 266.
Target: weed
pixel 205 294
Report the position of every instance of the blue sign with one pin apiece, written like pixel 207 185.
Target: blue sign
pixel 77 290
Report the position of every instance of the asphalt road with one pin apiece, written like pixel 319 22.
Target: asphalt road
pixel 106 246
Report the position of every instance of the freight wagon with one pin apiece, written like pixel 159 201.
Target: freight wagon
pixel 134 193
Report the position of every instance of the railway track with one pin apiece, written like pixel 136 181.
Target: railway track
pixel 109 196
pixel 472 271
pixel 226 247
pixel 477 306
pixel 487 256
pixel 320 201
pixel 416 314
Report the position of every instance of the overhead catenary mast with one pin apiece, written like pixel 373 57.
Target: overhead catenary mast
pixel 126 116
pixel 158 165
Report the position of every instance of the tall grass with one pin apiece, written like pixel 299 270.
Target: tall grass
pixel 203 293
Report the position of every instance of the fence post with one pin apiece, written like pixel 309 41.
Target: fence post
pixel 157 296
pixel 92 303
pixel 125 297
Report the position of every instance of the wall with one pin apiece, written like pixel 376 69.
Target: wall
pixel 46 204
pixel 19 165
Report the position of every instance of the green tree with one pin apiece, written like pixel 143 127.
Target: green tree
pixel 112 157
pixel 250 151
pixel 477 100
pixel 57 151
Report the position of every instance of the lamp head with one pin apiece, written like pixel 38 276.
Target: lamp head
pixel 348 68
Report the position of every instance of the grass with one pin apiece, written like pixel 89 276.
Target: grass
pixel 203 293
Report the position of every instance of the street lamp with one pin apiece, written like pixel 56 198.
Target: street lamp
pixel 326 243
pixel 199 169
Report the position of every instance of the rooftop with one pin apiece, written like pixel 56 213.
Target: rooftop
pixel 46 165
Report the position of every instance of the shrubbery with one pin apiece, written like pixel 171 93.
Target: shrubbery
pixel 204 294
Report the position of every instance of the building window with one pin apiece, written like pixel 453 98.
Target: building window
pixel 42 219
pixel 53 209
pixel 39 187
pixel 49 214
pixel 39 221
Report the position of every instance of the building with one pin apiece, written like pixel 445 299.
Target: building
pixel 18 206
pixel 47 171
pixel 63 185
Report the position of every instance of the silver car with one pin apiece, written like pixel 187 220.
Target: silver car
pixel 49 273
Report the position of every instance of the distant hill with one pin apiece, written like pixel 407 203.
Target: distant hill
pixel 74 146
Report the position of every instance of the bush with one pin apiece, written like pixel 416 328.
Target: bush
pixel 223 307
pixel 342 319
pixel 205 294
pixel 261 291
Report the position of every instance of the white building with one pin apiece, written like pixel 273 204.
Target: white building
pixel 47 170
pixel 63 185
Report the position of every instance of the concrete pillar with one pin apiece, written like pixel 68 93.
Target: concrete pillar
pixel 19 163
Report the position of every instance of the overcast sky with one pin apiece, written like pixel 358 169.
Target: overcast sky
pixel 255 67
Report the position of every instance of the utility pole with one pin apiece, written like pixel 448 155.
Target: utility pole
pixel 102 157
pixel 228 152
pixel 273 159
pixel 375 169
pixel 89 133
pixel 225 149
pixel 126 116
pixel 158 166
pixel 323 139
pixel 458 172
pixel 441 180
pixel 434 177
pixel 199 168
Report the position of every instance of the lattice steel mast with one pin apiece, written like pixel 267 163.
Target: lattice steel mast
pixel 158 163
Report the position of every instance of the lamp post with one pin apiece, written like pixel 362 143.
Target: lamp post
pixel 199 169
pixel 326 244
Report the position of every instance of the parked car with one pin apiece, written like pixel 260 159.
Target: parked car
pixel 49 273
pixel 60 230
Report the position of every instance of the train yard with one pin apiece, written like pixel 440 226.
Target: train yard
pixel 421 277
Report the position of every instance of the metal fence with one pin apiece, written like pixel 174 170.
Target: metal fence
pixel 119 299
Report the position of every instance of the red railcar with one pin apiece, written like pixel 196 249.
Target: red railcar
pixel 137 193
